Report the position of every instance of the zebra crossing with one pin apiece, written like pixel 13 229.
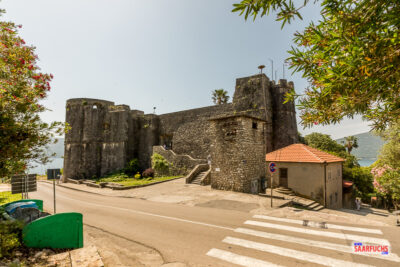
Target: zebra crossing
pixel 272 241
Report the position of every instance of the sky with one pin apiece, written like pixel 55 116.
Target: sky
pixel 168 54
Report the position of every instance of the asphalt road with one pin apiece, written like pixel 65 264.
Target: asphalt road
pixel 200 236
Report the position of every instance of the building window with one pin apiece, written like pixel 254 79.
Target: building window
pixel 330 199
pixel 336 197
pixel 254 125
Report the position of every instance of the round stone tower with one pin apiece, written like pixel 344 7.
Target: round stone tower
pixel 82 153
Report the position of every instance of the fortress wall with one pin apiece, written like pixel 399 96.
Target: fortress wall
pixel 237 153
pixel 104 137
pixel 253 95
pixel 148 133
pixel 189 130
pixel 182 164
pixel 284 116
pixel 82 155
pixel 115 132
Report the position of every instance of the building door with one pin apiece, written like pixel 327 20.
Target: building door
pixel 283 177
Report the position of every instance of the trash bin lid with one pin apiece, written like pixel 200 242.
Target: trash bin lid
pixel 12 207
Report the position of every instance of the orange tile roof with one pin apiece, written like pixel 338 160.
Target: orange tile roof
pixel 301 153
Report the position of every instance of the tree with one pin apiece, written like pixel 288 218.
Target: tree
pixel 387 184
pixel 220 96
pixel 390 152
pixel 323 142
pixel 350 143
pixel 386 169
pixel 351 58
pixel 361 176
pixel 23 136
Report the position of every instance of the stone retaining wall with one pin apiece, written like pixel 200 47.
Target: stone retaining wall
pixel 181 164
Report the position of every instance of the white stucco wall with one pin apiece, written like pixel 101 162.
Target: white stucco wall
pixel 334 185
pixel 308 179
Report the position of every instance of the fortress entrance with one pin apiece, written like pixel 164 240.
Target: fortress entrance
pixel 166 141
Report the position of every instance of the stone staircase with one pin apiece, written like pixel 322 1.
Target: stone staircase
pixel 288 194
pixel 314 206
pixel 197 179
pixel 284 190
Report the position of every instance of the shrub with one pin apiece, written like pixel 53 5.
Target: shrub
pixel 160 164
pixel 132 167
pixel 137 176
pixel 148 173
pixel 363 181
pixel 10 237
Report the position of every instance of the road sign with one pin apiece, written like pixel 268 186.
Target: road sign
pixel 271 167
pixel 23 183
pixel 53 174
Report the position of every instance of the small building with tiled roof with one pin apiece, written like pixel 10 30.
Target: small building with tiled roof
pixel 309 172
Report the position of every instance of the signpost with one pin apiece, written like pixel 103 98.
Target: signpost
pixel 23 184
pixel 54 174
pixel 272 169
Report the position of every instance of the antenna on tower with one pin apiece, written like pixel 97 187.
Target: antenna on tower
pixel 272 69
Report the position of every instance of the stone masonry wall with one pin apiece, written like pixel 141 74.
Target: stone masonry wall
pixel 182 164
pixel 237 153
pixel 188 130
pixel 284 116
pixel 82 154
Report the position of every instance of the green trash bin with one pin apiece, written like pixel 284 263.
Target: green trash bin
pixel 62 230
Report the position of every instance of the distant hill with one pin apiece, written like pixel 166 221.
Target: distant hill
pixel 368 145
pixel 57 148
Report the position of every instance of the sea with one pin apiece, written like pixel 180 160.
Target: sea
pixel 40 169
pixel 365 162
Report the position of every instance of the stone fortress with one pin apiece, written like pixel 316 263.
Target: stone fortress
pixel 237 135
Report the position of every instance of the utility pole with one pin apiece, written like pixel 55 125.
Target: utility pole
pixel 285 63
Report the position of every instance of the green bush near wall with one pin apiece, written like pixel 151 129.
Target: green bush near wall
pixel 160 165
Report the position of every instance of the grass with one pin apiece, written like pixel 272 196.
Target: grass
pixel 6 197
pixel 143 181
pixel 124 179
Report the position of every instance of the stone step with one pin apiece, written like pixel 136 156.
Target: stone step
pixel 283 192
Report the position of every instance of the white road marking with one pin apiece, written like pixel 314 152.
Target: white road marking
pixel 317 224
pixel 291 253
pixel 357 238
pixel 314 243
pixel 239 259
pixel 149 214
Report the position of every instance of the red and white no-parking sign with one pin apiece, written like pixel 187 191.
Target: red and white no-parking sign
pixel 271 167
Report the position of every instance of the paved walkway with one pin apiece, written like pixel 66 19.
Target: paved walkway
pixel 177 191
pixel 5 187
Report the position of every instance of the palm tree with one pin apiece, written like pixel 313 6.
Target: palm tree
pixel 220 96
pixel 350 143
